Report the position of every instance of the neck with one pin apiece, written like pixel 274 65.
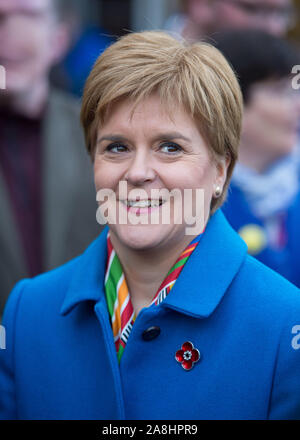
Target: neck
pixel 142 276
pixel 29 103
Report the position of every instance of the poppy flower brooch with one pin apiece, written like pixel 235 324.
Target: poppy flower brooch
pixel 187 356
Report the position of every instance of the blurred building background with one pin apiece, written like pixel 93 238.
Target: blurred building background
pixel 97 23
pixel 294 32
pixel 120 16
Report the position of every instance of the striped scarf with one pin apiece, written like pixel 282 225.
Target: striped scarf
pixel 118 297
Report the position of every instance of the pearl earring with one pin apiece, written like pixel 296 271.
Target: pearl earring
pixel 218 191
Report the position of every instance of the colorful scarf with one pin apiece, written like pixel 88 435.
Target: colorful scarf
pixel 118 297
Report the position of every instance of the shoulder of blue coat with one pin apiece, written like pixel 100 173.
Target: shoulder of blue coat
pixel 45 289
pixel 266 286
pixel 75 280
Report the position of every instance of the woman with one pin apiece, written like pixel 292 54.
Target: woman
pixel 264 197
pixel 150 322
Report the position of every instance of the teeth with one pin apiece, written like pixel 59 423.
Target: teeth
pixel 155 203
pixel 139 204
pixel 143 203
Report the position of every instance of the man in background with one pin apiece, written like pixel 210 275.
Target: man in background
pixel 47 198
pixel 263 203
pixel 202 18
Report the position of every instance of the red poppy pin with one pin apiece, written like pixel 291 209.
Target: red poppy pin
pixel 187 355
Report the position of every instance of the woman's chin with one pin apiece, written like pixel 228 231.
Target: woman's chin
pixel 140 237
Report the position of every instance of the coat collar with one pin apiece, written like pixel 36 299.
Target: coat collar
pixel 87 282
pixel 216 260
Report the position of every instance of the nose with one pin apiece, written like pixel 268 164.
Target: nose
pixel 140 170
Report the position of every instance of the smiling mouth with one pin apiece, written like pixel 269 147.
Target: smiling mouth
pixel 149 203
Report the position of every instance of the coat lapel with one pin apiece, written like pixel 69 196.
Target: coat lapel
pixel 87 282
pixel 215 261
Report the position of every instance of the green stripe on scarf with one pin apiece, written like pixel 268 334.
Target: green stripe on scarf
pixel 178 264
pixel 112 282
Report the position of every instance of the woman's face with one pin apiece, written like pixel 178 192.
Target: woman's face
pixel 147 150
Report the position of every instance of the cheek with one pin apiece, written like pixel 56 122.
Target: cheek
pixel 106 175
pixel 197 174
pixel 100 176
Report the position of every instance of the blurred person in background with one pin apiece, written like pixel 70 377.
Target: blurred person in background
pixel 206 17
pixel 89 39
pixel 79 61
pixel 46 193
pixel 194 21
pixel 263 203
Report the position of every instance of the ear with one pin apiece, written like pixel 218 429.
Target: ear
pixel 221 171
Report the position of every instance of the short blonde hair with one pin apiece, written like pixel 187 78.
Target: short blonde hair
pixel 196 76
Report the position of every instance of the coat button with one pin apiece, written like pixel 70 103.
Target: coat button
pixel 151 333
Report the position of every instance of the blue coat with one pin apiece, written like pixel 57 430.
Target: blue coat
pixel 286 260
pixel 60 360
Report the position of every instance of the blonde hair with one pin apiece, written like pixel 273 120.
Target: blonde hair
pixel 196 76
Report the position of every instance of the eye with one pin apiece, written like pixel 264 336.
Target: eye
pixel 170 148
pixel 116 148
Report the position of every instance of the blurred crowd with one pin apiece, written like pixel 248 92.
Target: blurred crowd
pixel 47 197
pixel 200 18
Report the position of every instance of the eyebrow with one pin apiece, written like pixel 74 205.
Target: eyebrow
pixel 171 135
pixel 160 136
pixel 113 138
